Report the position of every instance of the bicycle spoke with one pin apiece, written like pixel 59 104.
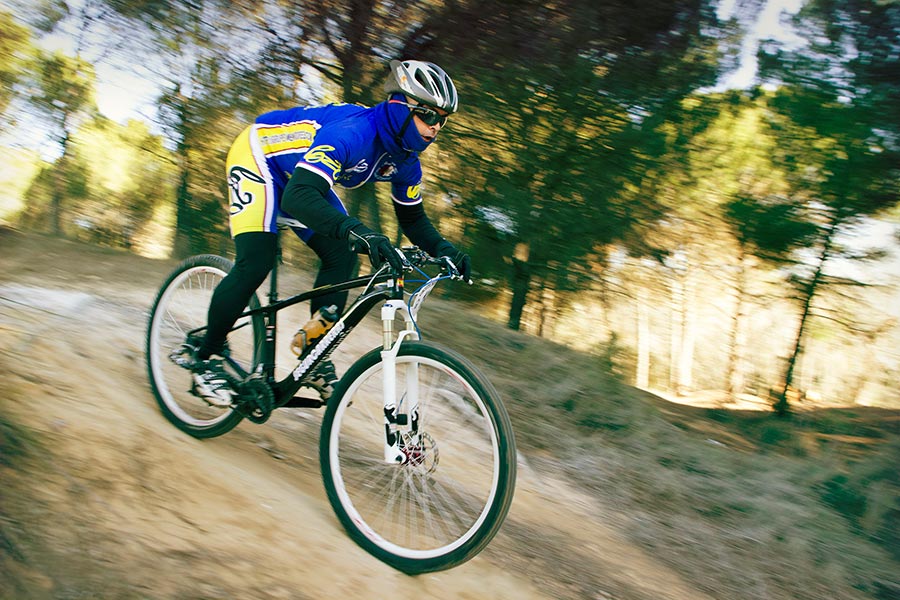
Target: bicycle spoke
pixel 442 491
pixel 181 308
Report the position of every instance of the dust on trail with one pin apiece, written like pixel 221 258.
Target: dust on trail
pixel 114 502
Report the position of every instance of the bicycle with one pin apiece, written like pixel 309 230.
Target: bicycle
pixel 416 449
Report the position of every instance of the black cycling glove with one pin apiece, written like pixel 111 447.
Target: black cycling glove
pixel 459 259
pixel 379 248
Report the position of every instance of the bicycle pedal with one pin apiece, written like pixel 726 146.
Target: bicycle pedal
pixel 214 401
pixel 184 356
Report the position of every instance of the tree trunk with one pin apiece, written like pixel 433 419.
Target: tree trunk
pixel 676 326
pixel 685 382
pixel 681 359
pixel 521 280
pixel 782 406
pixel 734 375
pixel 59 185
pixel 182 246
pixel 56 198
pixel 547 310
pixel 642 376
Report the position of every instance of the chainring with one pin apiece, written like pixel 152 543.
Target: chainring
pixel 255 399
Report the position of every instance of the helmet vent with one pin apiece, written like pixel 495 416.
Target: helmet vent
pixel 423 81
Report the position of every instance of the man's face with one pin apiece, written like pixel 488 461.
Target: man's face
pixel 428 132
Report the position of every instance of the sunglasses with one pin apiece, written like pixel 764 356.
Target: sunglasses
pixel 428 115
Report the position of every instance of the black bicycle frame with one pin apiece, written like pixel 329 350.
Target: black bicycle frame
pixel 285 389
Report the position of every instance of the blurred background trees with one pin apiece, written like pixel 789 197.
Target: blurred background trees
pixel 614 195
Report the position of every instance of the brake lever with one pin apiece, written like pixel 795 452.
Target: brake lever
pixel 452 270
pixel 407 264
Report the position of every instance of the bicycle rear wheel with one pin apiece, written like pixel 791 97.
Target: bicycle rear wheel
pixel 447 499
pixel 181 307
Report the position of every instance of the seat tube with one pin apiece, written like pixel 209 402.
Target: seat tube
pixel 273 274
pixel 270 318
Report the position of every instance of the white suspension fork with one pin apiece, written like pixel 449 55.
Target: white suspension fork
pixel 398 412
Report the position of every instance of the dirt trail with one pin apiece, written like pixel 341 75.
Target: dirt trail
pixel 119 504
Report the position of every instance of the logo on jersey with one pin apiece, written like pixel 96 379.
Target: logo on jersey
pixel 282 139
pixel 412 192
pixel 386 171
pixel 239 180
pixel 360 167
pixel 319 155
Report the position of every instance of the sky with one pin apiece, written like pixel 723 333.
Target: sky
pixel 125 94
pixel 770 23
pixel 125 89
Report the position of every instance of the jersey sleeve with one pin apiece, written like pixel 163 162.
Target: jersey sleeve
pixel 406 185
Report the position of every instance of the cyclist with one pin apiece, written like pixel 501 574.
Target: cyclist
pixel 287 164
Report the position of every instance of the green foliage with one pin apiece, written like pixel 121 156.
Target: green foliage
pixel 46 15
pixel 868 496
pixel 844 498
pixel 65 87
pixel 18 168
pixel 561 141
pixel 841 128
pixel 14 48
pixel 583 143
pixel 117 179
pixel 14 442
pixel 40 211
pixel 204 123
pixel 834 116
pixel 205 50
pixel 771 227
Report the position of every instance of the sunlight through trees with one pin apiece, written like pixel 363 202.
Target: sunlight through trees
pixel 611 196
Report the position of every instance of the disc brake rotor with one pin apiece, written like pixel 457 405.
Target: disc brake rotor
pixel 421 454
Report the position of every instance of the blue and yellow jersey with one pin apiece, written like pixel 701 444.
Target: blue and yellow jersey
pixel 339 142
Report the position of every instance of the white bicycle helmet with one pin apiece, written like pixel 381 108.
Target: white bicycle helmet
pixel 424 81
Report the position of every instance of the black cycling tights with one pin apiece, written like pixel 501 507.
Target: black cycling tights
pixel 338 265
pixel 255 257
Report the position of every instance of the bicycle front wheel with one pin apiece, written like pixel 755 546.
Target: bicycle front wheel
pixel 181 308
pixel 447 497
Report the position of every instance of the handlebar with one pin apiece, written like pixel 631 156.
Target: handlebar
pixel 411 257
pixel 414 258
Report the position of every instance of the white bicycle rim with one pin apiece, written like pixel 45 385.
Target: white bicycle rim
pixel 380 470
pixel 201 281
